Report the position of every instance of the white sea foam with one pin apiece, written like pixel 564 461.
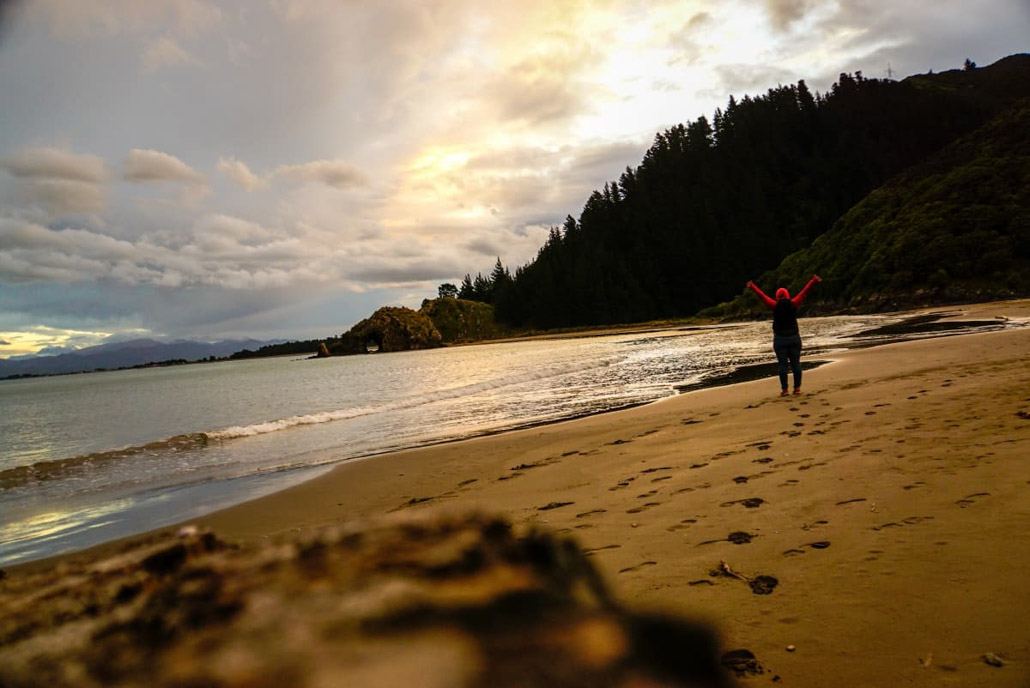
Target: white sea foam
pixel 266 427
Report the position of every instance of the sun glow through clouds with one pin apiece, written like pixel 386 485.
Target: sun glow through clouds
pixel 325 137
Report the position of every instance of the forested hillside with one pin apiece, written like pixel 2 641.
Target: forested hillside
pixel 714 203
pixel 953 228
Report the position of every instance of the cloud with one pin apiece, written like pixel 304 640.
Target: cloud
pixel 238 229
pixel 545 86
pixel 239 174
pixel 154 167
pixel 4 342
pixel 389 271
pixel 164 52
pixel 217 251
pixel 748 78
pixel 54 163
pixel 58 181
pixel 783 13
pixel 335 173
pixel 91 18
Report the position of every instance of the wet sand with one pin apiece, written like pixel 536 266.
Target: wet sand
pixel 879 523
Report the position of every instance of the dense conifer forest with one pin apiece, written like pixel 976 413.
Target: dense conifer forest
pixel 716 202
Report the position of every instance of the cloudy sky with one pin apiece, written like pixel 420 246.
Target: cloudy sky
pixel 281 168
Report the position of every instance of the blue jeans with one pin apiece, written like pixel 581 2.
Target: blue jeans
pixel 788 350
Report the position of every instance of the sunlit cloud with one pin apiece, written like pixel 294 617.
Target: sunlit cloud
pixel 41 339
pixel 239 174
pixel 320 157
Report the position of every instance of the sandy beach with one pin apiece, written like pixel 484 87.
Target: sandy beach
pixel 889 507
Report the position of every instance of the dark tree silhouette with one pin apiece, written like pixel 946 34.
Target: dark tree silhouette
pixel 715 202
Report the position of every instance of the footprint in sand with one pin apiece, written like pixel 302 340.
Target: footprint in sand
pixel 655 470
pixel 417 500
pixel 737 537
pixel 664 477
pixel 622 484
pixel 852 501
pixel 554 505
pixel 764 459
pixel 790 483
pixel 740 479
pixel 592 512
pixel 807 466
pixel 617 442
pixel 971 499
pixel 591 552
pixel 463 483
pixel 642 507
pixel 570 453
pixel 682 525
pixel 914 485
pixel 647 494
pixel 749 503
pixel 638 566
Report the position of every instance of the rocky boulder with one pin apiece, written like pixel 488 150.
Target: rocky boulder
pixel 389 329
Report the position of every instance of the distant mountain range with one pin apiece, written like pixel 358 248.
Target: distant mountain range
pixel 125 354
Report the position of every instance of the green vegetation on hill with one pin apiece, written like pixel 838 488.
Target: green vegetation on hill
pixel 461 320
pixel 308 346
pixel 715 203
pixel 953 228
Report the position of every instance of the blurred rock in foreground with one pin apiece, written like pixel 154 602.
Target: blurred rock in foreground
pixel 438 601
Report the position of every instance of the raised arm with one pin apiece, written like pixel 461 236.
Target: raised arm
pixel 761 294
pixel 803 294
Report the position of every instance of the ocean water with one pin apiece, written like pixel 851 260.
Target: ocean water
pixel 89 458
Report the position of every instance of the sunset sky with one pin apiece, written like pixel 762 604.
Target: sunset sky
pixel 281 168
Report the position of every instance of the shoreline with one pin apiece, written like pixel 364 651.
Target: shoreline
pixel 889 502
pixel 948 316
pixel 947 322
